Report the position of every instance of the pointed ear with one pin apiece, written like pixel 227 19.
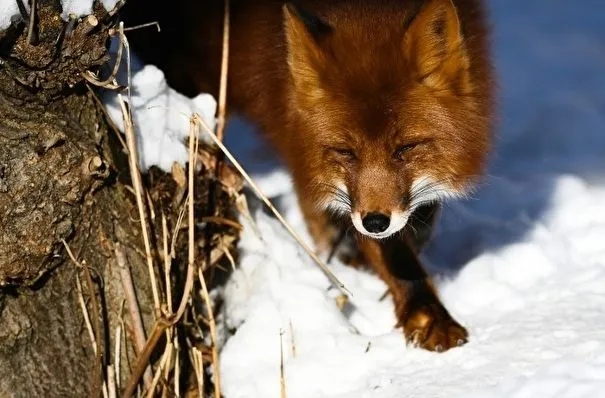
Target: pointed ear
pixel 304 34
pixel 435 46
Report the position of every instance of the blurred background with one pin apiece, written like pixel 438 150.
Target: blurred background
pixel 550 60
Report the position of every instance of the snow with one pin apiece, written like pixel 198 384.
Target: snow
pixel 81 8
pixel 78 8
pixel 8 11
pixel 522 264
pixel 160 116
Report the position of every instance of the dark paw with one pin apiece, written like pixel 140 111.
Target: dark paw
pixel 431 327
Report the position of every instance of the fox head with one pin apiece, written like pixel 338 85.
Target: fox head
pixel 393 104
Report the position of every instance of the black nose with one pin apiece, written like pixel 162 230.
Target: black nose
pixel 376 222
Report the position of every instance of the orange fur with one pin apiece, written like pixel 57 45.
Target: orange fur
pixel 376 106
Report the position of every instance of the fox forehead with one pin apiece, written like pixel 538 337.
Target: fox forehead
pixel 379 118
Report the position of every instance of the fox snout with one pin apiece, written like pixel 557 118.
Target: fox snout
pixel 379 225
pixel 379 211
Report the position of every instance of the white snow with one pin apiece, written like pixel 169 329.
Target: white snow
pixel 81 8
pixel 78 8
pixel 160 116
pixel 9 10
pixel 522 264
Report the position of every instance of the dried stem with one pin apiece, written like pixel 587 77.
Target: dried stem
pixel 143 358
pixel 158 372
pixel 198 364
pixel 164 323
pixel 167 264
pixel 31 27
pixel 133 306
pixel 135 175
pixel 213 335
pixel 222 96
pixel 111 381
pixel 282 378
pixel 193 136
pixel 110 81
pixel 223 221
pixel 92 79
pixel 117 355
pixel 145 25
pixel 177 368
pixel 98 382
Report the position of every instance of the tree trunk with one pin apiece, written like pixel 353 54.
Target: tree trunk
pixel 60 179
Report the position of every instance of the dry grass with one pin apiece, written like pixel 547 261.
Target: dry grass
pixel 164 377
pixel 93 331
pixel 282 375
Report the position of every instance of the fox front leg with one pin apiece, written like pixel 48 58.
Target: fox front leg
pixel 425 321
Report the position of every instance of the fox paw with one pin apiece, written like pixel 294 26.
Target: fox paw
pixel 431 327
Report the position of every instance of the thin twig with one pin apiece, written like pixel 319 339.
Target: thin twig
pixel 167 264
pixel 177 227
pixel 177 367
pixel 198 364
pixel 111 381
pixel 277 214
pixel 109 82
pixel 116 358
pixel 227 254
pixel 135 175
pixel 282 377
pixel 144 25
pixel 92 79
pixel 158 372
pixel 193 135
pixel 193 143
pixel 223 221
pixel 133 306
pixel 91 334
pixel 143 358
pixel 31 28
pixel 213 335
pixel 222 96
pixel 169 365
pixel 98 382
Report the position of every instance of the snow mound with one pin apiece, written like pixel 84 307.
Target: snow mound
pixel 77 8
pixel 161 117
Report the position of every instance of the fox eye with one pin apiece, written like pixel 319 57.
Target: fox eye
pixel 400 152
pixel 345 153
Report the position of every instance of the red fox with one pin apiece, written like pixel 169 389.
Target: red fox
pixel 380 108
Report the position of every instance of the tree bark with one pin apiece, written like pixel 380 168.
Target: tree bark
pixel 64 183
pixel 61 178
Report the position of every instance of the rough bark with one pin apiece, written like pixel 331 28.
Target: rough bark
pixel 64 178
pixel 58 181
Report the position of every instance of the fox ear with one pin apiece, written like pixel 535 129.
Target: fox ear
pixel 304 34
pixel 306 20
pixel 435 45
